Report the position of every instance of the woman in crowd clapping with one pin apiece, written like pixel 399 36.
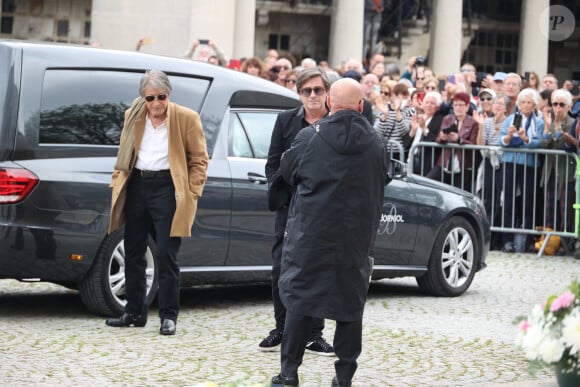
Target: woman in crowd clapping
pixel 520 168
pixel 456 166
pixel 488 135
pixel 559 172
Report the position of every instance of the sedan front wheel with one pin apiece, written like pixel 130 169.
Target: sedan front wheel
pixel 453 260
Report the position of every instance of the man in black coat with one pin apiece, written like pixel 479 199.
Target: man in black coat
pixel 312 85
pixel 338 169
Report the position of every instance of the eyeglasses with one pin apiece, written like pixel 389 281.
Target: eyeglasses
pixel 290 81
pixel 151 98
pixel 430 88
pixel 559 104
pixel 385 93
pixel 308 90
pixel 486 98
pixel 419 78
pixel 459 104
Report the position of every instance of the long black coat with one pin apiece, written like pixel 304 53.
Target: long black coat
pixel 338 168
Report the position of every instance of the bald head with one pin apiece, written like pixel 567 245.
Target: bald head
pixel 346 93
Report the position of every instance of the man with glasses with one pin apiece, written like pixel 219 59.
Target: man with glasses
pixel 154 167
pixel 338 168
pixel 312 86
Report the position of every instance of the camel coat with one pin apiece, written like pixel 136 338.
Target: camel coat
pixel 188 161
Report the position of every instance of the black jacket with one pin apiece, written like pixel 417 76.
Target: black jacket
pixel 338 169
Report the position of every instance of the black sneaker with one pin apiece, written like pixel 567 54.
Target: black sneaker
pixel 272 342
pixel 284 381
pixel 320 347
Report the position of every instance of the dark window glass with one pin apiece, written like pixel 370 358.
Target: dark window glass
pixel 87 29
pixel 62 28
pixel 284 42
pixel 508 57
pixel 8 6
pixel 273 41
pixel 6 24
pixel 87 106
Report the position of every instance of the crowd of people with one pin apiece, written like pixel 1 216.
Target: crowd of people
pixel 413 104
pixel 390 111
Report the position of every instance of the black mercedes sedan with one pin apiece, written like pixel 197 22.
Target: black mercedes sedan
pixel 61 114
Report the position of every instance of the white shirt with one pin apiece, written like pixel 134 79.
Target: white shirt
pixel 154 152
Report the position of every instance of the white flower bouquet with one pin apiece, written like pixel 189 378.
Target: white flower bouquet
pixel 550 334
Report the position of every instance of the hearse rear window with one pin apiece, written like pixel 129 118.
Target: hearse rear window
pixel 87 106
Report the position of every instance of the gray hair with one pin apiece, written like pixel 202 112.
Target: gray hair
pixel 156 79
pixel 531 93
pixel 310 73
pixel 513 75
pixel 506 100
pixel 563 94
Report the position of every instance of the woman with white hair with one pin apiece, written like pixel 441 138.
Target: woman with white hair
pixel 559 172
pixel 521 130
pixel 425 126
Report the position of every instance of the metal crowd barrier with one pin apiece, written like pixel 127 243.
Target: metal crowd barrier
pixel 422 155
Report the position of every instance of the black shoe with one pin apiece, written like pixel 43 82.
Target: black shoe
pixel 167 327
pixel 283 381
pixel 340 383
pixel 319 346
pixel 128 319
pixel 272 342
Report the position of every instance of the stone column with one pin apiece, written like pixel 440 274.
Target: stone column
pixel 244 29
pixel 346 31
pixel 533 49
pixel 446 36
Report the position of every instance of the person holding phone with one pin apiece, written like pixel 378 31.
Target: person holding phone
pixel 203 49
pixel 520 130
pixel 395 118
pixel 455 166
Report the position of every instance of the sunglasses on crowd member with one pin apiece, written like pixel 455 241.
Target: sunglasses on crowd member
pixel 386 93
pixel 485 99
pixel 559 104
pixel 151 98
pixel 290 81
pixel 308 90
pixel 431 88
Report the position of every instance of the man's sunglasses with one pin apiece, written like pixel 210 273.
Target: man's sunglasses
pixel 308 90
pixel 151 98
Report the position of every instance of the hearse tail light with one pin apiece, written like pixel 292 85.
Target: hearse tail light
pixel 15 184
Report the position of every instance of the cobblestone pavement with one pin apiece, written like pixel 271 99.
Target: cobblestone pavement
pixel 409 339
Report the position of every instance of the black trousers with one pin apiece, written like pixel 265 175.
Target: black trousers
pixel 279 308
pixel 347 345
pixel 149 209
